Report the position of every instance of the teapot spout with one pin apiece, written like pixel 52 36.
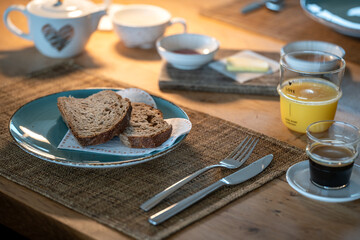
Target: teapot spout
pixel 95 18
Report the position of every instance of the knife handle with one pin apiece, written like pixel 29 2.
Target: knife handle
pixel 152 202
pixel 183 204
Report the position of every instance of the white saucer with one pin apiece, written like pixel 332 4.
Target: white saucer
pixel 298 177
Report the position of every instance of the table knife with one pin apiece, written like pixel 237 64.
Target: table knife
pixel 240 176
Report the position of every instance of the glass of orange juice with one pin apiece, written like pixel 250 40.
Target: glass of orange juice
pixel 309 87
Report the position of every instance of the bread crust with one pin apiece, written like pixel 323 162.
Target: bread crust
pixel 96 138
pixel 147 141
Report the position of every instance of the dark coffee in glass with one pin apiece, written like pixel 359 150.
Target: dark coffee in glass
pixel 335 175
pixel 332 149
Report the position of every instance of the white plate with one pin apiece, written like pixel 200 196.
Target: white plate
pixel 298 177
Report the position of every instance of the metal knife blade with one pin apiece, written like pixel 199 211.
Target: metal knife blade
pixel 240 176
pixel 249 171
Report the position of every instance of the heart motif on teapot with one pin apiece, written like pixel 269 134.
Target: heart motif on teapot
pixel 58 39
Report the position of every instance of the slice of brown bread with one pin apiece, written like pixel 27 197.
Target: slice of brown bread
pixel 147 127
pixel 97 118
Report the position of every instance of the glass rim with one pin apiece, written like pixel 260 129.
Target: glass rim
pixel 285 65
pixel 312 137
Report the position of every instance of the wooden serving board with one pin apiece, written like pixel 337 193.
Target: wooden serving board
pixel 291 24
pixel 209 80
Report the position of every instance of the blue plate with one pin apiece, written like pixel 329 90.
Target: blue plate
pixel 37 127
pixel 343 16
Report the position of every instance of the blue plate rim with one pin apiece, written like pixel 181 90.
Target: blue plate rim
pixel 346 30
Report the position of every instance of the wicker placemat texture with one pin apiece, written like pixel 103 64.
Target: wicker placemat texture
pixel 113 196
pixel 291 24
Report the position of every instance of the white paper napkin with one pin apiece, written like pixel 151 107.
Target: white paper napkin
pixel 180 127
pixel 137 95
pixel 242 77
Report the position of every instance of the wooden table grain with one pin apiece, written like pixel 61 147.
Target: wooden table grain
pixel 274 211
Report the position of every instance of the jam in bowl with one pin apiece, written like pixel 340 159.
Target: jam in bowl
pixel 187 51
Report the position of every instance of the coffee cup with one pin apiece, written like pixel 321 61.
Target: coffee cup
pixel 140 25
pixel 332 148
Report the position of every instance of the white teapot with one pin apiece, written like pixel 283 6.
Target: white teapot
pixel 59 29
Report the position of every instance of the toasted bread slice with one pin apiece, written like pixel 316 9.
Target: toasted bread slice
pixel 147 127
pixel 97 118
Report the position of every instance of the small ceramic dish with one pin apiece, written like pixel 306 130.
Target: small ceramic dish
pixel 312 56
pixel 313 46
pixel 312 62
pixel 298 177
pixel 187 51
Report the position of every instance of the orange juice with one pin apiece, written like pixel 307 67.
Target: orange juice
pixel 307 100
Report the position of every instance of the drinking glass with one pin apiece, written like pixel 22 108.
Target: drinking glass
pixel 309 87
pixel 332 148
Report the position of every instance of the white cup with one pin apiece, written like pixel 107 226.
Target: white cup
pixel 140 25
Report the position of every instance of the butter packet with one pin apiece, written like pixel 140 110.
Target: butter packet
pixel 246 64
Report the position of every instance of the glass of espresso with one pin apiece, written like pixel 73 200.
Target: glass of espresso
pixel 332 148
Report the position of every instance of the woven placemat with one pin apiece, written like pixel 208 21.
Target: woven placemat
pixel 113 196
pixel 291 24
pixel 207 79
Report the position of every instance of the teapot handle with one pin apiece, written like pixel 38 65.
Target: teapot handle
pixel 179 20
pixel 9 24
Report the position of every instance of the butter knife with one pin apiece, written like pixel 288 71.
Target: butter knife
pixel 240 176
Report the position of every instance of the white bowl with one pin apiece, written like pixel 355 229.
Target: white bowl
pixel 312 62
pixel 204 46
pixel 329 55
pixel 313 46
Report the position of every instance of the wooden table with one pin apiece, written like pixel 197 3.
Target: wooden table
pixel 275 211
